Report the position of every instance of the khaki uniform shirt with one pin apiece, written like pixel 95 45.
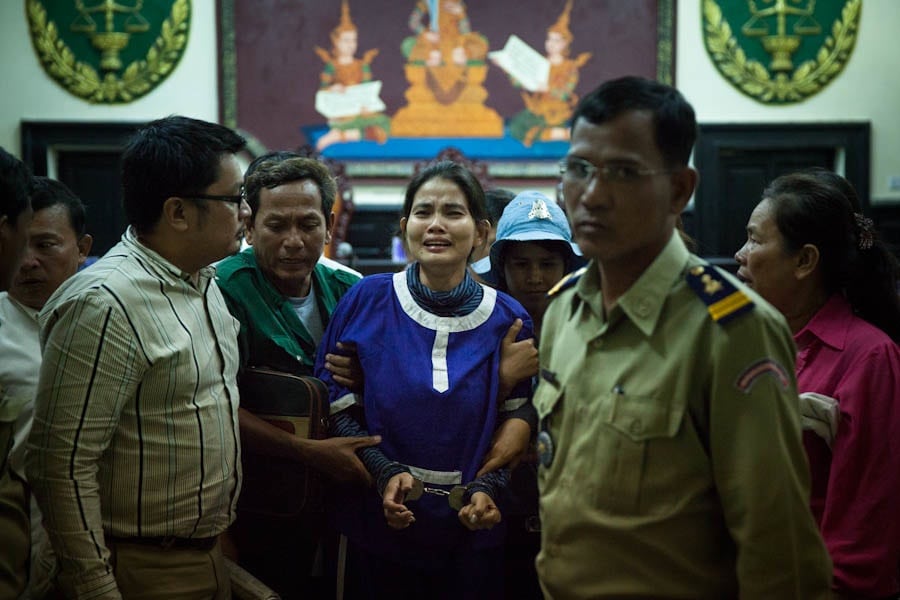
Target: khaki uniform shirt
pixel 677 467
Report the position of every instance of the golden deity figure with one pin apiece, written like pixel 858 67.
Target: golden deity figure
pixel 343 70
pixel 446 68
pixel 547 110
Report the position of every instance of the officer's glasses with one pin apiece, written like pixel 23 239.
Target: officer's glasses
pixel 236 199
pixel 577 171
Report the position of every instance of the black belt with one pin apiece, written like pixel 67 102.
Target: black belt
pixel 168 542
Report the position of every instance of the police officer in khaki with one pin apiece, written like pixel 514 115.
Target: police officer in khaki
pixel 671 461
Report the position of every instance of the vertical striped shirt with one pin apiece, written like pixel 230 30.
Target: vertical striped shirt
pixel 136 429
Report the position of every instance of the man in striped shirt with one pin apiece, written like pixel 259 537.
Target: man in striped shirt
pixel 134 455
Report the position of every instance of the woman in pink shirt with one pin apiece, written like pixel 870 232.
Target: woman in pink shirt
pixel 817 259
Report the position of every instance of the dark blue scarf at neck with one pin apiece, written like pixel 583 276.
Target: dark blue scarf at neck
pixel 457 302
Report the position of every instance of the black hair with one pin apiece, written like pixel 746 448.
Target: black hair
pixel 46 192
pixel 458 174
pixel 809 208
pixel 14 179
pixel 277 168
pixel 275 155
pixel 495 200
pixel 673 116
pixel 831 178
pixel 173 156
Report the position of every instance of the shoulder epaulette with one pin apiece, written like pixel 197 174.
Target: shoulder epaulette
pixel 566 282
pixel 723 299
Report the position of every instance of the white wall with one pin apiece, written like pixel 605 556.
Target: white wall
pixel 30 94
pixel 867 89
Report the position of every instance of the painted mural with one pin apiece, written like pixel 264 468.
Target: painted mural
pixel 404 79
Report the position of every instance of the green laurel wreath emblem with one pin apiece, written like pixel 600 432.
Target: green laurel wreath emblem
pixel 753 79
pixel 82 79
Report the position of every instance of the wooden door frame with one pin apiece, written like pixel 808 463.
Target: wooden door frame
pixel 852 140
pixel 39 138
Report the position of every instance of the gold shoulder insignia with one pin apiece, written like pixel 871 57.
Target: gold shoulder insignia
pixel 723 300
pixel 566 282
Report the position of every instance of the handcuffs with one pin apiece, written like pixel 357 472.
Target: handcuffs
pixel 456 496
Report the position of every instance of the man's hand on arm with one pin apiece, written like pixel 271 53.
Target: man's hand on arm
pixel 335 457
pixel 511 441
pixel 345 368
pixel 518 360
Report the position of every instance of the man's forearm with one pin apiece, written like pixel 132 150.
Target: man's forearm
pixel 261 437
pixel 74 525
pixel 379 466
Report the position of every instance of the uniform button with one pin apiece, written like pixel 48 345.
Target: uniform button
pixel 636 426
pixel 642 308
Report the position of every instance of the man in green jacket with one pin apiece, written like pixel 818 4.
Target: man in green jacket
pixel 283 297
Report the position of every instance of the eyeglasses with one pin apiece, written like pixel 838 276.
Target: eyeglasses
pixel 574 170
pixel 236 199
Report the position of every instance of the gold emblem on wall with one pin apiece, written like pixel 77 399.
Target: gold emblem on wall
pixel 109 51
pixel 780 51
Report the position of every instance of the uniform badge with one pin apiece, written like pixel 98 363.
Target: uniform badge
pixel 724 301
pixel 545 448
pixel 749 375
pixel 539 210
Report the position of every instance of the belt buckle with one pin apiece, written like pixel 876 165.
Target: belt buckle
pixel 168 542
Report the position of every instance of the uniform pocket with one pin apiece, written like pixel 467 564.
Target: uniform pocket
pixel 639 430
pixel 641 418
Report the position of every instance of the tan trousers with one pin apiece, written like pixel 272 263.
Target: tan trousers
pixel 15 541
pixel 151 573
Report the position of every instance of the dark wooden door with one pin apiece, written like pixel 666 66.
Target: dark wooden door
pixel 736 162
pixel 87 160
pixel 94 177
pixel 745 173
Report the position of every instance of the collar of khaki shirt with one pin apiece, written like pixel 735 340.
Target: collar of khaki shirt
pixel 642 303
